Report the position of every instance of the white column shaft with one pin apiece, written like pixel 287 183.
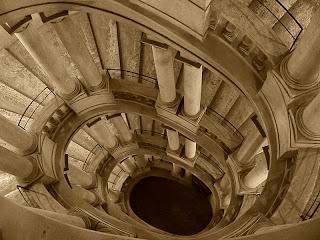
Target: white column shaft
pixel 190 148
pixel 192 89
pixel 173 140
pixel 44 48
pixel 163 61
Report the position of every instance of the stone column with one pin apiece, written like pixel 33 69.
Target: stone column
pixel 70 35
pixel 16 165
pixel 86 195
pixel 79 177
pixel 188 174
pixel 176 170
pixel 17 137
pixel 44 48
pixel 65 218
pixel 163 61
pixel 252 142
pixel 301 69
pixel 141 162
pixel 173 140
pixel 128 166
pixel 258 174
pixel 114 196
pixel 308 118
pixel 192 98
pixel 192 89
pixel 122 128
pixel 103 135
pixel 190 148
pixel 224 189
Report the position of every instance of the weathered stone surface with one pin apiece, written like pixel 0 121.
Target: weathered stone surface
pixel 247 21
pixel 147 124
pixel 8 183
pixel 106 32
pixel 210 86
pixel 82 21
pixel 14 101
pixel 147 67
pixel 20 53
pixel 83 139
pixel 301 187
pixel 224 99
pixel 129 41
pixel 76 151
pixel 16 76
pixel 240 111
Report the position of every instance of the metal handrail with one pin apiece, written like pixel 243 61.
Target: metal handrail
pixel 90 155
pixel 307 215
pixel 225 121
pixel 136 132
pixel 134 74
pixel 29 190
pixel 279 20
pixel 34 101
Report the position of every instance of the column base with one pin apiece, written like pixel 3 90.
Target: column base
pixel 179 155
pixel 84 103
pixel 301 136
pixel 174 114
pixel 290 81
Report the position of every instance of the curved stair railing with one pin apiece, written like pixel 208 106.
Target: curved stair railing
pixel 90 155
pixel 139 77
pixel 33 107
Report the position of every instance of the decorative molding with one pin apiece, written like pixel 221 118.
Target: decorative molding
pixel 33 146
pixel 301 137
pixel 76 91
pixel 84 103
pixel 240 41
pixel 230 32
pixel 120 152
pixel 290 81
pixel 182 158
pixel 75 211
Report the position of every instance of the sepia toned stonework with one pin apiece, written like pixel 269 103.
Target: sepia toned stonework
pixel 159 119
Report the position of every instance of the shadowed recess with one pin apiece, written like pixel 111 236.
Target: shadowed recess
pixel 171 206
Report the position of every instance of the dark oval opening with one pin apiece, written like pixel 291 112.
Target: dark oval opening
pixel 170 205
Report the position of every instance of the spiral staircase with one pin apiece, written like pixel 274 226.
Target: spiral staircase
pixel 97 96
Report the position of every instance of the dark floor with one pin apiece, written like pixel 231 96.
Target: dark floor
pixel 171 206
